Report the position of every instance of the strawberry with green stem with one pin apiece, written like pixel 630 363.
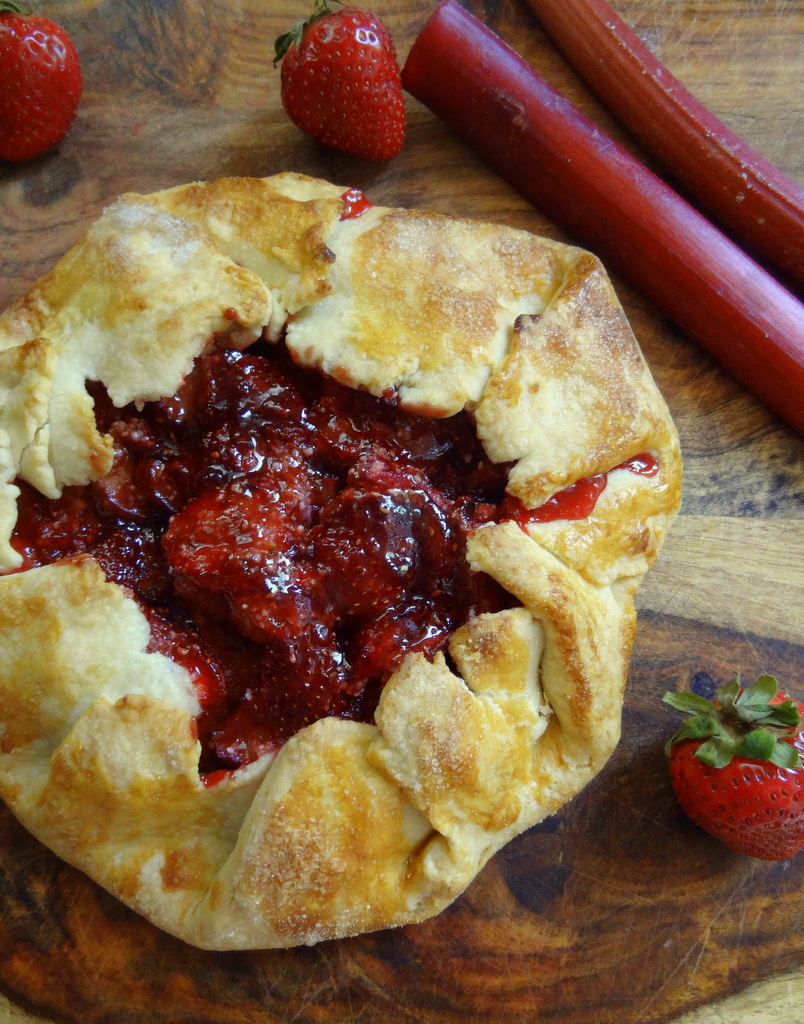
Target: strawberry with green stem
pixel 40 83
pixel 340 81
pixel 736 766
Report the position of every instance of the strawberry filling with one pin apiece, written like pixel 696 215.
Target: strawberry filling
pixel 289 540
pixel 576 501
pixel 355 204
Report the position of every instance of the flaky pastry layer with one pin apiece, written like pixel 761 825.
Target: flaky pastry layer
pixel 350 827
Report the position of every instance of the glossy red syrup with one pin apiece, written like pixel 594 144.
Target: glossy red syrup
pixel 289 540
pixel 645 464
pixel 576 501
pixel 356 204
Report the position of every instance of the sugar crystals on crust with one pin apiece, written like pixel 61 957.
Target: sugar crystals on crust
pixel 347 825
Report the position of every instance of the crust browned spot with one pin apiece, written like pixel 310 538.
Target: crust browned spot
pixel 352 826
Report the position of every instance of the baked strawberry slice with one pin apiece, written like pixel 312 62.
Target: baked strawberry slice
pixel 301 679
pixel 185 648
pixel 305 675
pixel 130 554
pixel 736 766
pixel 120 493
pixel 278 610
pixel 230 540
pixel 379 646
pixel 376 548
pixel 246 414
pixel 51 529
pixel 170 480
pixel 148 478
pixel 366 552
pixel 232 449
pixel 236 385
pixel 377 469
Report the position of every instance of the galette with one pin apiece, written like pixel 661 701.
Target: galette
pixel 320 528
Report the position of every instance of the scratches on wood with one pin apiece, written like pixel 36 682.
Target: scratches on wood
pixel 745 575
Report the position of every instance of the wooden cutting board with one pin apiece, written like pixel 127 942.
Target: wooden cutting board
pixel 618 910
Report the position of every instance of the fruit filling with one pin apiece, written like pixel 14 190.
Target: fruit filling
pixel 289 540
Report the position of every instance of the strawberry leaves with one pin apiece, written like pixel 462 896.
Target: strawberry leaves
pixel 293 36
pixel 736 767
pixel 742 722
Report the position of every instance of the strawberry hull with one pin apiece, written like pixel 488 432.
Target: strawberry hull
pixel 753 804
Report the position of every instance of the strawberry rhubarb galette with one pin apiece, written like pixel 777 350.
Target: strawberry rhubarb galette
pixel 320 525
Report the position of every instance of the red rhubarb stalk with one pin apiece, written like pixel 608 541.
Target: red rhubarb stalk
pixel 560 161
pixel 757 204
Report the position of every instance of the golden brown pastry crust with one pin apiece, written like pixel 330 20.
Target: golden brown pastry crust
pixel 350 827
pixel 131 305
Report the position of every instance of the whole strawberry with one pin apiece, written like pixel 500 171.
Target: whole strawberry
pixel 40 83
pixel 737 769
pixel 340 81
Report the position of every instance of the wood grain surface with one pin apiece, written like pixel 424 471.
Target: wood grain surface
pixel 618 910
